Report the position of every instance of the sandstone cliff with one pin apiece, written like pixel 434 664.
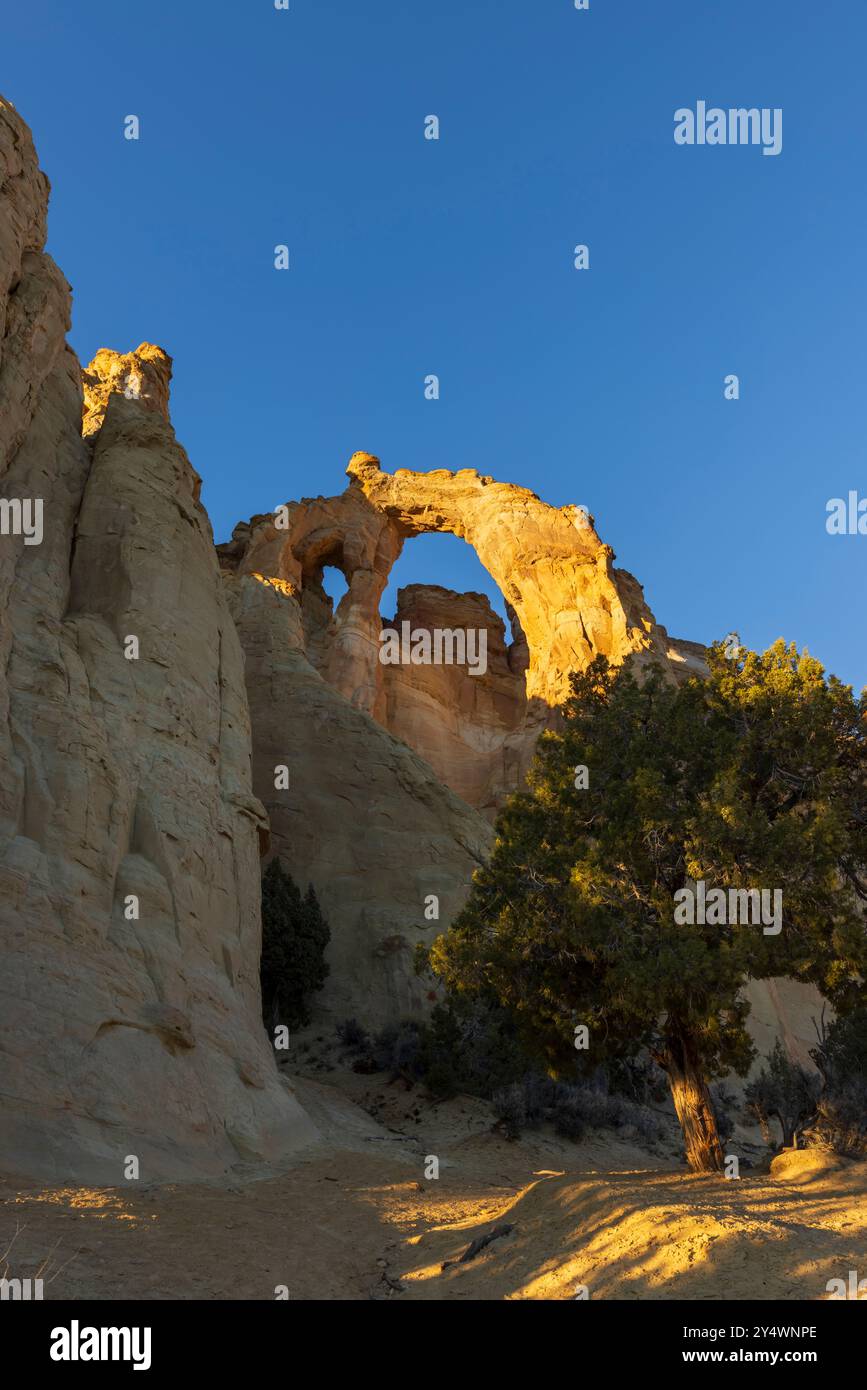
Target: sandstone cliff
pixel 129 834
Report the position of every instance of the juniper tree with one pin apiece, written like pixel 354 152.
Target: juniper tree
pixel 751 778
pixel 294 938
pixel 841 1057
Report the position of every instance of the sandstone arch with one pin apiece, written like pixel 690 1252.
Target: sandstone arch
pixel 565 599
pixel 377 753
pixel 557 577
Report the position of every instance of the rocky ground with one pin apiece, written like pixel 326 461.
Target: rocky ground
pixel 358 1218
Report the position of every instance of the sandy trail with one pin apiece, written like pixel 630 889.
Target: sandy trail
pixel 360 1221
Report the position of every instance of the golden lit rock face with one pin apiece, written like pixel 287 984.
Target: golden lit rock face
pixel 554 573
pixel 557 576
pixel 142 376
pixel 567 601
pixel 469 727
pixel 374 827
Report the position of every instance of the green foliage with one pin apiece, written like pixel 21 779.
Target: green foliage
pixel 828 1107
pixel 466 1047
pixel 841 1113
pixel 841 1054
pixel 397 1049
pixel 351 1033
pixel 751 778
pixel 783 1091
pixel 294 938
pixel 471 1047
pixel 572 1108
pixel 638 1079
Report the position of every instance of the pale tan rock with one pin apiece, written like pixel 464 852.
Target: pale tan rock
pixel 119 777
pixel 803 1166
pixel 364 818
pixel 470 728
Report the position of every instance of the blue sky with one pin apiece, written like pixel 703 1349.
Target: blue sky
pixel 408 257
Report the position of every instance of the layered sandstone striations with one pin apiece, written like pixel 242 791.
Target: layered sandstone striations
pixel 129 833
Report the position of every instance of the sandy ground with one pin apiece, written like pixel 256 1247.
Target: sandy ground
pixel 651 1235
pixel 358 1219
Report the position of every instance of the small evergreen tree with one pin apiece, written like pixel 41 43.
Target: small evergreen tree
pixel 841 1056
pixel 294 938
pixel 751 778
pixel 783 1091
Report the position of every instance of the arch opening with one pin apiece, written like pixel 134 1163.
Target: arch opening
pixel 442 560
pixel 452 669
pixel 323 586
pixel 334 584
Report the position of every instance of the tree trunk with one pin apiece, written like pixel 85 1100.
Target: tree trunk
pixel 787 1129
pixel 693 1104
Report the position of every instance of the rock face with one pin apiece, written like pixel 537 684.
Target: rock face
pixel 363 818
pixel 469 727
pixel 129 833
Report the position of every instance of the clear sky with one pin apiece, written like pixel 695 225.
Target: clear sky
pixel 408 257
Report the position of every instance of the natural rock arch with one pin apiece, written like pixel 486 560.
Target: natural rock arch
pixel 564 597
